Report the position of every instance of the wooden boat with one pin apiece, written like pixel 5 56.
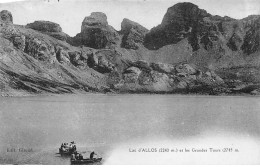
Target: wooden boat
pixel 85 161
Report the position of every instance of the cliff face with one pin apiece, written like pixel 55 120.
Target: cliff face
pixel 49 28
pixel 96 33
pixel 216 41
pixel 191 51
pixel 183 20
pixel 33 62
pixel 133 34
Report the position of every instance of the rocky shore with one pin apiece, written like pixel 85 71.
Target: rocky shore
pixel 190 52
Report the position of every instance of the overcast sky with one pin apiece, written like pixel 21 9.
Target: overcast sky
pixel 149 13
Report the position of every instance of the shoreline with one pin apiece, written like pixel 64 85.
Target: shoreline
pixel 8 95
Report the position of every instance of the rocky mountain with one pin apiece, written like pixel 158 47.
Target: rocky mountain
pixel 96 33
pixel 191 51
pixel 216 41
pixel 49 28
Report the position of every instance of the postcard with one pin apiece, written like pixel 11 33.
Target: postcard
pixel 120 82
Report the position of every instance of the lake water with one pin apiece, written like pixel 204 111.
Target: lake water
pixel 115 126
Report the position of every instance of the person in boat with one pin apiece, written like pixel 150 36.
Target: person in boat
pixel 80 157
pixel 92 155
pixel 66 145
pixel 61 146
pixel 63 149
pixel 74 148
pixel 72 143
pixel 73 157
pixel 77 156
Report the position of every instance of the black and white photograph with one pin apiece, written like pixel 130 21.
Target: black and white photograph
pixel 129 82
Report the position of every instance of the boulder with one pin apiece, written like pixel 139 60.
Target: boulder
pixel 145 78
pixel 79 58
pixel 130 78
pixel 182 85
pixel 209 78
pixel 142 64
pixel 215 77
pixel 62 55
pixel 134 70
pixel 185 69
pixel 19 42
pixel 37 49
pixel 6 17
pixel 255 92
pixel 163 68
pixel 161 81
pixel 105 65
pixel 44 26
pixel 92 60
pixel 75 58
pixel 100 64
pixel 131 75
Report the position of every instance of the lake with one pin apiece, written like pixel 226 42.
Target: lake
pixel 131 128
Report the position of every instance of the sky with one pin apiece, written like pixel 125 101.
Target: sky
pixel 149 13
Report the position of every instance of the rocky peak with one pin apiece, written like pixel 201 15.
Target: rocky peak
pixel 9 32
pixel 6 16
pixel 95 19
pixel 183 13
pixel 127 25
pixel 44 26
pixel 96 33
pixel 133 33
pixel 180 21
pixel 49 28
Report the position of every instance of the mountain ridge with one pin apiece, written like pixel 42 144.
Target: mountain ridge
pixel 191 51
